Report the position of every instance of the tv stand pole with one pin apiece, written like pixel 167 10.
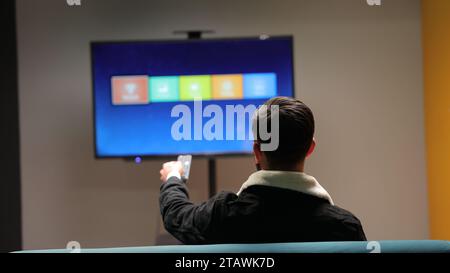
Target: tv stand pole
pixel 212 176
pixel 212 164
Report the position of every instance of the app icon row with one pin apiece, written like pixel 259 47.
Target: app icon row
pixel 143 89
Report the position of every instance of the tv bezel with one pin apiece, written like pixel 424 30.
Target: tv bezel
pixel 171 156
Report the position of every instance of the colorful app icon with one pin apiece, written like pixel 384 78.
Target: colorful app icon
pixel 164 89
pixel 227 86
pixel 260 85
pixel 129 90
pixel 195 87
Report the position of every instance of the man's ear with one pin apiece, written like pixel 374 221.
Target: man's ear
pixel 311 148
pixel 257 152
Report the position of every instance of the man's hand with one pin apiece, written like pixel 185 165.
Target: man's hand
pixel 170 169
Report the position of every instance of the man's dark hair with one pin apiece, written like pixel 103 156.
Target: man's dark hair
pixel 296 132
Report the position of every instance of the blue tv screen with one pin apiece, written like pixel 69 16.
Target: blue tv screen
pixel 144 91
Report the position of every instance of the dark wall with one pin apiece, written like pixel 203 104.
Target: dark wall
pixel 10 211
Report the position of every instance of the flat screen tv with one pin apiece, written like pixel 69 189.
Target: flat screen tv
pixel 143 89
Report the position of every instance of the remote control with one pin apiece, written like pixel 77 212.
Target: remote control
pixel 186 161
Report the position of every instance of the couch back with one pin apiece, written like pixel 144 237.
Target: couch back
pixel 322 247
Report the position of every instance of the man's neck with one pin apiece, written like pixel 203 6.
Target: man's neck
pixel 300 167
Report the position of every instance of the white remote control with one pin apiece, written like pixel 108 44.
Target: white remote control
pixel 186 161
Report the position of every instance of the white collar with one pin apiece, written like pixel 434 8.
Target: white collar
pixel 296 181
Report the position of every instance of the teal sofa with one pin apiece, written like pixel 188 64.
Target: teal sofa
pixel 331 247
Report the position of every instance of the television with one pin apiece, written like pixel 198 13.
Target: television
pixel 141 88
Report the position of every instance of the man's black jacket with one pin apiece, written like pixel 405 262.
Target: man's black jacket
pixel 260 214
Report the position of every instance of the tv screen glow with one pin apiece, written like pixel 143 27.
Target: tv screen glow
pixel 136 86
